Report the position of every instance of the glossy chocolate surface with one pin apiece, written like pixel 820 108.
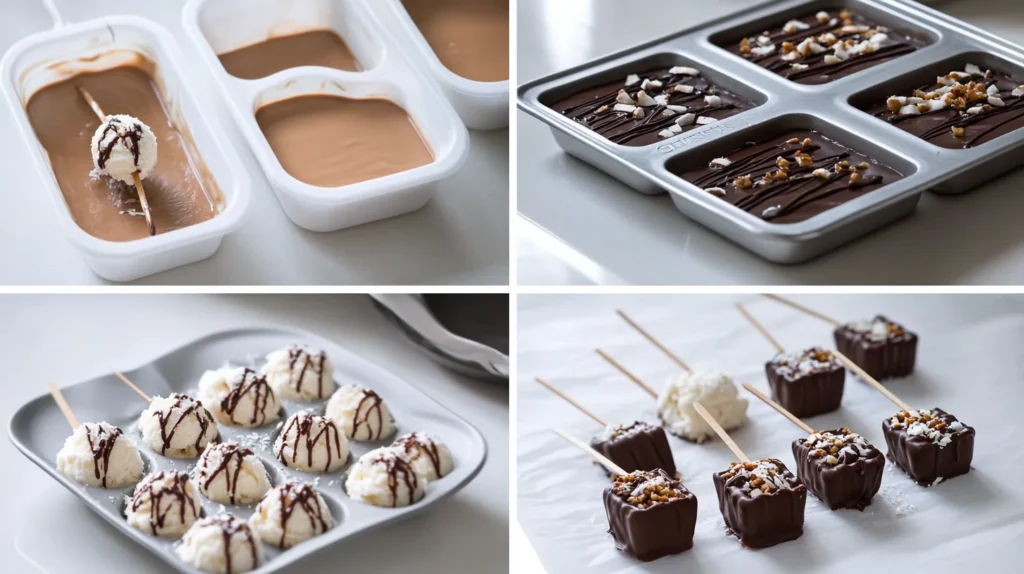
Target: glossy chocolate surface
pixel 766 519
pixel 638 446
pixel 650 531
pixel 847 474
pixel 881 347
pixel 925 460
pixel 808 383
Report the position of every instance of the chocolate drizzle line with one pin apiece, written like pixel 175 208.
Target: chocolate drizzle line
pixel 229 453
pixel 303 424
pixel 203 417
pixel 229 526
pixel 261 391
pixel 157 492
pixel 416 441
pixel 295 495
pixel 102 446
pixel 374 402
pixel 296 353
pixel 395 466
pixel 129 135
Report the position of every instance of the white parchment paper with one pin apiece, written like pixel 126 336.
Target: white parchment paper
pixel 970 362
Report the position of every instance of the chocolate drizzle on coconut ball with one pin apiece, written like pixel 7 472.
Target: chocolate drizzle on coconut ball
pixel 177 426
pixel 290 514
pixel 383 477
pixel 429 457
pixel 165 504
pixel 231 474
pixel 238 396
pixel 360 413
pixel 222 544
pixel 299 373
pixel 311 443
pixel 98 454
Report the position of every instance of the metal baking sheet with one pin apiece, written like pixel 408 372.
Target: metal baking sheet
pixel 38 430
pixel 830 108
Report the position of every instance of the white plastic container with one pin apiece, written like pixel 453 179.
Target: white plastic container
pixel 27 67
pixel 219 26
pixel 481 105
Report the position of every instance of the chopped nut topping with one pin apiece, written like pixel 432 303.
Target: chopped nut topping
pixel 645 489
pixel 744 182
pixel 863 165
pixel 807 142
pixel 854 178
pixel 958 132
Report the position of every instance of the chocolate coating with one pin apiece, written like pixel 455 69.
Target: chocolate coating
pixel 639 446
pixel 815 388
pixel 850 483
pixel 922 459
pixel 766 520
pixel 663 529
pixel 801 195
pixel 882 358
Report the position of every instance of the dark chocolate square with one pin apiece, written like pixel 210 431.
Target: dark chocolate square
pixel 919 455
pixel 639 446
pixel 846 476
pixel 808 383
pixel 763 520
pixel 883 348
pixel 649 530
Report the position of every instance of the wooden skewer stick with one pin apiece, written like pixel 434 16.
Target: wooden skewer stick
pixel 600 458
pixel 582 409
pixel 628 374
pixel 760 328
pixel 802 309
pixel 65 408
pixel 871 381
pixel 682 364
pixel 721 432
pixel 132 386
pixel 782 411
pixel 138 179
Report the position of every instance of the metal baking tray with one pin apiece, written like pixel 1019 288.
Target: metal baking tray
pixel 830 108
pixel 38 430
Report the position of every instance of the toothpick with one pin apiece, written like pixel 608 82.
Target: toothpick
pixel 628 374
pixel 871 381
pixel 782 411
pixel 802 309
pixel 600 458
pixel 549 387
pixel 63 405
pixel 682 364
pixel 760 328
pixel 132 386
pixel 721 432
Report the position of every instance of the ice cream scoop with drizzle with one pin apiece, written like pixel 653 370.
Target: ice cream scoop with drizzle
pixel 311 443
pixel 165 504
pixel 290 514
pixel 429 457
pixel 98 454
pixel 238 396
pixel 299 373
pixel 384 477
pixel 360 413
pixel 222 544
pixel 123 146
pixel 231 474
pixel 177 426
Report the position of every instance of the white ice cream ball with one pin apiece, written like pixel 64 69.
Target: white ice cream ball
pixel 383 477
pixel 222 544
pixel 299 373
pixel 307 515
pixel 99 454
pixel 164 504
pixel 229 473
pixel 123 145
pixel 177 426
pixel 361 413
pixel 238 396
pixel 311 443
pixel 714 390
pixel 429 457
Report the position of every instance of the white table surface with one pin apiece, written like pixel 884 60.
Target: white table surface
pixel 460 237
pixel 66 339
pixel 969 362
pixel 610 234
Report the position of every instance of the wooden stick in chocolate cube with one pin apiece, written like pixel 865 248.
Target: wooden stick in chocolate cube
pixel 639 446
pixel 930 446
pixel 808 383
pixel 650 513
pixel 839 466
pixel 761 501
pixel 682 364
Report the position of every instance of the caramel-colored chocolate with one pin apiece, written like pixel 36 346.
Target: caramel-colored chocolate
pixel 470 37
pixel 313 48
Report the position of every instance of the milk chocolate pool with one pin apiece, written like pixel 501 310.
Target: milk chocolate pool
pixel 180 189
pixel 470 37
pixel 331 141
pixel 312 48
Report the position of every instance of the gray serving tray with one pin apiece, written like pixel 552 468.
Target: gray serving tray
pixel 831 108
pixel 38 430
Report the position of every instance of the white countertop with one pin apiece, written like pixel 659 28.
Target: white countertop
pixel 66 339
pixel 608 233
pixel 460 237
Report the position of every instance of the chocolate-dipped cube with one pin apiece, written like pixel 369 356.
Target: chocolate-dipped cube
pixel 638 446
pixel 807 383
pixel 762 502
pixel 930 446
pixel 650 515
pixel 840 467
pixel 882 348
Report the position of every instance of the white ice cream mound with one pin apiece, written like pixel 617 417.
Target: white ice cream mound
pixel 290 514
pixel 165 504
pixel 231 474
pixel 238 396
pixel 714 390
pixel 177 426
pixel 429 457
pixel 383 477
pixel 98 454
pixel 123 145
pixel 361 413
pixel 311 443
pixel 222 544
pixel 299 373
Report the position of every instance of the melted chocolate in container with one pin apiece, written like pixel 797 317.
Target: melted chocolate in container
pixel 639 446
pixel 588 107
pixel 180 190
pixel 841 476
pixel 313 48
pixel 808 383
pixel 920 456
pixel 479 317
pixel 470 37
pixel 766 519
pixel 882 348
pixel 649 530
pixel 798 194
pixel 767 49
